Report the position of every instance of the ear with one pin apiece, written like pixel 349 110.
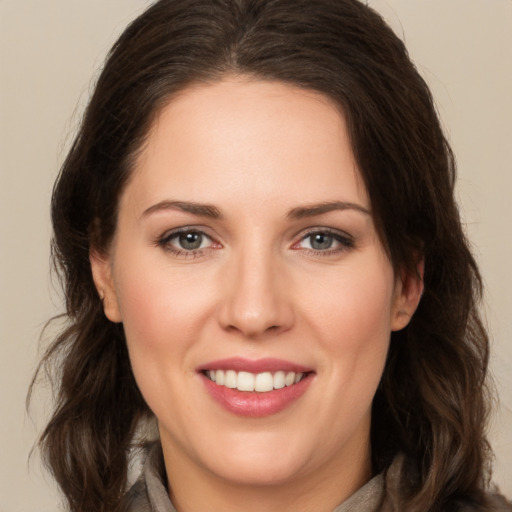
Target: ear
pixel 104 282
pixel 408 291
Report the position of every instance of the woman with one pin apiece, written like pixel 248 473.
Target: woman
pixel 260 249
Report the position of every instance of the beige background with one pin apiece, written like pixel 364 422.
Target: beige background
pixel 50 50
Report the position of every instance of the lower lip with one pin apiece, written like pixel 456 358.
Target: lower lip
pixel 254 404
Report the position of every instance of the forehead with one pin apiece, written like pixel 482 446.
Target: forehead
pixel 241 137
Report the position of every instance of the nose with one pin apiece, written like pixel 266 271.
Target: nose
pixel 257 298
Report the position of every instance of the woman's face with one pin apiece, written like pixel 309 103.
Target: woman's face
pixel 246 253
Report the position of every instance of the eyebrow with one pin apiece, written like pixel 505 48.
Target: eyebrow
pixel 210 211
pixel 202 210
pixel 321 208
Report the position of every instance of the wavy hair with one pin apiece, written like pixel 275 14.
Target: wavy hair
pixel 433 398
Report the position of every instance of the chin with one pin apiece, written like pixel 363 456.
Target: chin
pixel 246 473
pixel 260 464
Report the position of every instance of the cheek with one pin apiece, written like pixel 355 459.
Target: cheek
pixel 355 307
pixel 158 302
pixel 164 310
pixel 160 312
pixel 144 309
pixel 353 318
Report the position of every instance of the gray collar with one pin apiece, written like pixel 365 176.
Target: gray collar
pixel 149 494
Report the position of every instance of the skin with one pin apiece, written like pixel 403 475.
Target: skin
pixel 255 151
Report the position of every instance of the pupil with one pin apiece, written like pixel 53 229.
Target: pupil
pixel 321 241
pixel 191 241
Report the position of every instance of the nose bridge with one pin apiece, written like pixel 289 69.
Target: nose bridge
pixel 256 300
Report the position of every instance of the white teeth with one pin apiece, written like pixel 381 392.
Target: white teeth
pixel 261 382
pixel 230 379
pixel 289 379
pixel 264 382
pixel 279 380
pixel 245 381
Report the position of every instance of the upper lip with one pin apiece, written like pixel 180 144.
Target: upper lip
pixel 240 364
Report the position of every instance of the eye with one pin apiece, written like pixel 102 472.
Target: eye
pixel 325 241
pixel 189 241
pixel 186 241
pixel 319 241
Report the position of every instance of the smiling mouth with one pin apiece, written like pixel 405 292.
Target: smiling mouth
pixel 254 382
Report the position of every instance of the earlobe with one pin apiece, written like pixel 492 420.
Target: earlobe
pixel 408 291
pixel 103 280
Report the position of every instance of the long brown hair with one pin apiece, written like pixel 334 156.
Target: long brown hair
pixel 432 401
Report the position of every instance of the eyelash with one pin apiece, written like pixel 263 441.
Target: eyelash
pixel 165 243
pixel 345 242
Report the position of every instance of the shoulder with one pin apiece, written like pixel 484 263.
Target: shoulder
pixel 149 493
pixel 494 503
pixel 401 477
pixel 137 499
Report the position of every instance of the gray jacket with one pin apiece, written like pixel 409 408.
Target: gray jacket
pixel 149 493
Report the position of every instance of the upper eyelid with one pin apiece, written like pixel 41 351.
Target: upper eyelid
pixel 330 231
pixel 186 229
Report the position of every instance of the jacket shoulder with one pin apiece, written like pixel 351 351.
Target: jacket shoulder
pixel 137 498
pixel 494 503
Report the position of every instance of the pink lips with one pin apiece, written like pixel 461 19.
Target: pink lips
pixel 255 404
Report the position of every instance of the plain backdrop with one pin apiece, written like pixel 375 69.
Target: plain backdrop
pixel 50 53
